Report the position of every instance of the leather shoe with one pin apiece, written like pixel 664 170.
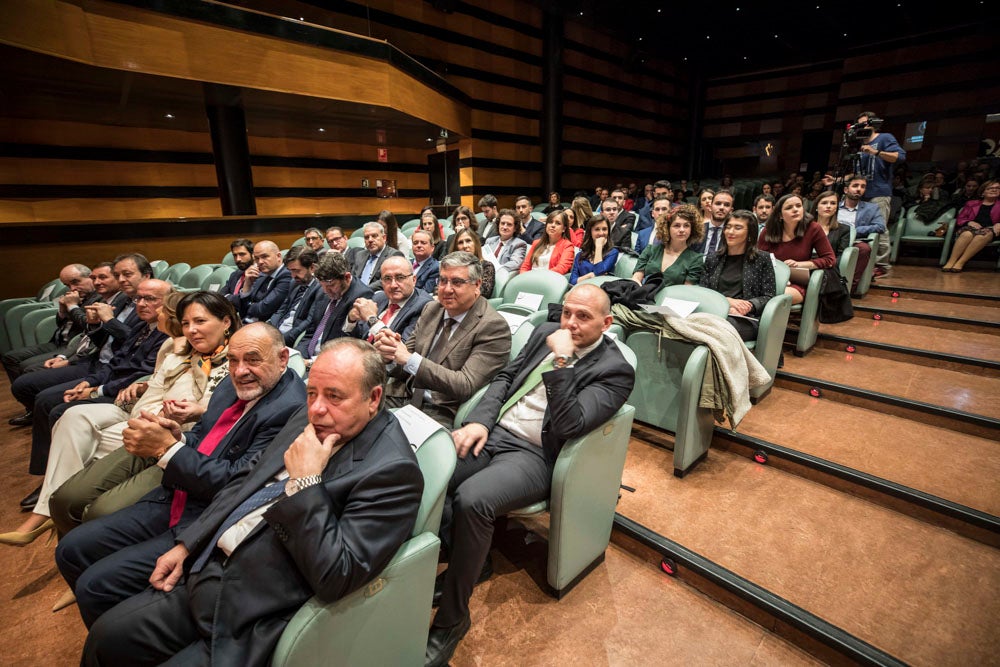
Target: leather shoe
pixel 442 642
pixel 22 420
pixel 29 501
pixel 485 574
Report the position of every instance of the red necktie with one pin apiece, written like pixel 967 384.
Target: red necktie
pixel 208 444
pixel 239 284
pixel 386 318
pixel 499 248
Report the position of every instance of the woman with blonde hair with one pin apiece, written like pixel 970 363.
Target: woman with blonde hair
pixel 582 213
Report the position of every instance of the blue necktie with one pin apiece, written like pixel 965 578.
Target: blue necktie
pixel 262 497
pixel 366 273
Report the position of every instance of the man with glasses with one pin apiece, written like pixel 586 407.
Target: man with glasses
pixel 620 223
pixel 314 239
pixel 396 307
pixel 459 343
pixel 132 360
pixel 367 266
pixel 340 291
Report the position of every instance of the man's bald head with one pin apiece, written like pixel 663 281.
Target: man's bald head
pixel 76 277
pixel 257 359
pixel 594 294
pixel 149 298
pixel 267 256
pixel 586 314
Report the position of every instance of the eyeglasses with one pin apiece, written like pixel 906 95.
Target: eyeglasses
pixel 398 278
pixel 147 299
pixel 454 282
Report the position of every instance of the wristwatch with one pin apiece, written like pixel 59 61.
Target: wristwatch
pixel 299 483
pixel 94 394
pixel 372 320
pixel 562 360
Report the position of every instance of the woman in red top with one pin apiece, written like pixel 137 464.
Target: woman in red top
pixel 553 251
pixel 792 239
pixel 978 225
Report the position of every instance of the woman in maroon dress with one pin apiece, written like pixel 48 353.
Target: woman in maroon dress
pixel 792 238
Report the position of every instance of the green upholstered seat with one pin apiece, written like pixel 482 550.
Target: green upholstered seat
pixel 159 267
pixel 47 293
pixel 175 272
pixel 38 326
pixel 551 286
pixel 808 310
pixel 218 278
pixel 228 260
pixel 909 230
pixel 197 278
pixel 385 622
pixel 771 331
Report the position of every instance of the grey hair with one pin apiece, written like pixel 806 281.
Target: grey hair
pixel 459 259
pixel 375 224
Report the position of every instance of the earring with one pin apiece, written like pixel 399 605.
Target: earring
pixel 225 333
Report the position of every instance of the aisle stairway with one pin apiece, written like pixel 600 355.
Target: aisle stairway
pixel 875 516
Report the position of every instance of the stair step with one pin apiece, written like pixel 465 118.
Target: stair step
pixel 984 346
pixel 906 587
pixel 931 281
pixel 907 303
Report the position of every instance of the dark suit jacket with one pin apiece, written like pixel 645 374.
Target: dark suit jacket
pixel 700 245
pixel 234 278
pixel 74 322
pixel 203 476
pixel 406 319
pixel 361 258
pixel 533 231
pixel 335 325
pixel 129 363
pixel 326 540
pixel 580 398
pixel 264 298
pixel 427 276
pixel 621 235
pixel 305 297
pixel 120 331
pixel 477 349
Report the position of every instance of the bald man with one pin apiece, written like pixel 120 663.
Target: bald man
pixel 266 284
pixel 507 448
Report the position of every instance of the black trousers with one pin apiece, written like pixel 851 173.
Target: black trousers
pixel 508 474
pixel 28 386
pixel 25 359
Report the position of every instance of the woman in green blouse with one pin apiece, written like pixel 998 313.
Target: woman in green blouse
pixel 671 256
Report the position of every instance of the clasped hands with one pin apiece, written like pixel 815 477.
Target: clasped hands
pixel 78 393
pixel 150 435
pixel 390 345
pixel 739 306
pixel 362 310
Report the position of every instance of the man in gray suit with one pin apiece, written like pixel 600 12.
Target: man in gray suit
pixel 321 514
pixel 458 345
pixel 367 266
pixel 568 380
pixel 507 249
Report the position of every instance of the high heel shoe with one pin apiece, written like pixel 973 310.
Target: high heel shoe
pixel 65 600
pixel 16 539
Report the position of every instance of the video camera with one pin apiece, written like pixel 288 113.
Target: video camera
pixel 860 133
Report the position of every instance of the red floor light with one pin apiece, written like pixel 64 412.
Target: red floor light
pixel 852 349
pixel 895 295
pixel 877 317
pixel 760 456
pixel 815 392
pixel 669 566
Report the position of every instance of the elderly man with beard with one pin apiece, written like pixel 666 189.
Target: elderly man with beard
pixel 110 558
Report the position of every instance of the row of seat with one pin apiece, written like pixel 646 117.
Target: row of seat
pixel 911 231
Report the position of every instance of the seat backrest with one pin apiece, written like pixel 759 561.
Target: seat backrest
pixel 538 215
pixel 299 241
pixel 480 217
pixel 782 274
pixel 228 259
pixel 159 266
pixel 709 301
pixel 437 460
pixel 49 289
pixel 551 286
pixel 176 272
pixel 358 233
pixel 197 277
pixel 520 337
pixel 409 226
pixel 217 280
pixel 296 363
pixel 355 242
pixel 625 266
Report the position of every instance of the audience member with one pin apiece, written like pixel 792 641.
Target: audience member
pixel 673 259
pixel 865 217
pixel 978 224
pixel 762 207
pixel 430 224
pixel 646 217
pixel 457 346
pixel 425 267
pixel 265 284
pixel 837 234
pixel 393 237
pixel 340 290
pixel 367 267
pixel 582 213
pixel 242 252
pixel 880 152
pixel 792 239
pixel 109 559
pixel 292 316
pixel 554 204
pixel 309 532
pixel 491 212
pixel 314 240
pixel 506 250
pixel 661 207
pixel 722 206
pixel 568 380
pixel 553 250
pixel 466 240
pixel 397 307
pixel 532 228
pixel 742 274
pixel 595 257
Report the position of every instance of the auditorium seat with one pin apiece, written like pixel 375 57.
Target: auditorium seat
pixel 174 274
pixel 228 260
pixel 159 267
pixel 358 233
pixel 808 310
pixel 625 265
pixel 47 294
pixel 915 232
pixel 549 285
pixel 771 331
pixel 38 326
pixel 14 318
pixel 219 277
pixel 196 279
pixel 385 622
pixel 407 228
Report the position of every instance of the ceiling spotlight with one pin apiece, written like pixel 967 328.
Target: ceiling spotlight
pixel 322 129
pixel 429 139
pixel 581 13
pixel 301 18
pixel 640 39
pixel 658 11
pixel 169 116
pixel 776 37
pixel 744 57
pixel 845 34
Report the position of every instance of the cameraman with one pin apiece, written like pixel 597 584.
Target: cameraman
pixel 879 153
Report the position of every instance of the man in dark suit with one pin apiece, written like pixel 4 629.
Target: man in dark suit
pixel 620 221
pixel 71 319
pixel 132 360
pixel 367 266
pixel 109 559
pixel 242 251
pixel 425 267
pixel 490 226
pixel 330 501
pixel 532 228
pixel 292 316
pixel 397 307
pixel 265 285
pixel 457 346
pixel 341 290
pixel 567 381
pixel 647 218
pixel 722 206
